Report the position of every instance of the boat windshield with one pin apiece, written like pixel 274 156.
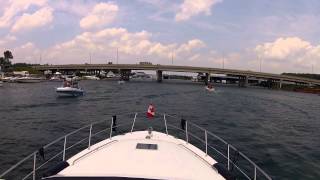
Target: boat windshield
pixel 72 84
pixel 75 84
pixel 66 84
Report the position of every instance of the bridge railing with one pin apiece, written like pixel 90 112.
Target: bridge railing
pixel 37 164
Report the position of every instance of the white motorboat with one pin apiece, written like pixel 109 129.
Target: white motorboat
pixel 121 82
pixel 9 79
pixel 56 79
pixel 70 88
pixel 28 79
pixel 91 78
pixel 139 155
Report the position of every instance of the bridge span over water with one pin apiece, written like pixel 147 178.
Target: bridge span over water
pixel 125 70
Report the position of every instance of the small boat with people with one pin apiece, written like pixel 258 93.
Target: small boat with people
pixel 70 88
pixel 210 88
pixel 128 148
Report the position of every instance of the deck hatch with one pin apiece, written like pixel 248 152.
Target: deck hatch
pixel 147 146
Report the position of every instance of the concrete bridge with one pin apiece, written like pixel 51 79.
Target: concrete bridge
pixel 125 69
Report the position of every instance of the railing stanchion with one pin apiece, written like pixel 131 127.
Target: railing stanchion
pixel 165 123
pixel 64 148
pixel 90 133
pixel 206 139
pixel 34 166
pixel 187 138
pixel 134 120
pixel 111 128
pixel 228 157
pixel 255 173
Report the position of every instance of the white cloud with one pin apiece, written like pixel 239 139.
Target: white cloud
pixel 283 48
pixel 27 53
pixel 40 18
pixel 191 8
pixel 101 15
pixel 192 44
pixel 291 53
pixel 131 45
pixel 15 7
pixel 7 39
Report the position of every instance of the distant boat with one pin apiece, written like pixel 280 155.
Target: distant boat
pixel 56 79
pixel 121 82
pixel 91 78
pixel 9 79
pixel 28 79
pixel 210 88
pixel 70 88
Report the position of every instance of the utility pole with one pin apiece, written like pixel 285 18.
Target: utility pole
pixel 117 56
pixel 312 68
pixel 40 58
pixel 90 57
pixel 260 62
pixel 172 57
pixel 223 62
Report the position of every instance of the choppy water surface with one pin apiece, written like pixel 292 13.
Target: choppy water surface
pixel 278 130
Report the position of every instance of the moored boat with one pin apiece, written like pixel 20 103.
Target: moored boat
pixel 91 78
pixel 9 79
pixel 56 79
pixel 28 79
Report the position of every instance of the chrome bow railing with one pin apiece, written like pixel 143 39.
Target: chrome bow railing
pixel 234 161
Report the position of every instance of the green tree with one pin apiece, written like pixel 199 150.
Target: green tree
pixel 5 62
pixel 7 55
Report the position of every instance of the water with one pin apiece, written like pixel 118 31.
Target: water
pixel 278 130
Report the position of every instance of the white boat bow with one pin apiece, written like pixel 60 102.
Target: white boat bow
pixel 143 155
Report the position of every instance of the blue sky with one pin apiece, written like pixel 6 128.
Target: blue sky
pixel 282 34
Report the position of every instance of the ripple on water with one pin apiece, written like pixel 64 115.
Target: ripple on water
pixel 278 130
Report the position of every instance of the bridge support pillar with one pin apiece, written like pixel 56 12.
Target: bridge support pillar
pixel 159 75
pixel 207 79
pixel 243 81
pixel 274 84
pixel 125 74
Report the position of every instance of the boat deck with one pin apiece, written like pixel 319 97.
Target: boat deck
pixel 159 157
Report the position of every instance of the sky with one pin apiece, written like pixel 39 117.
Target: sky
pixel 279 35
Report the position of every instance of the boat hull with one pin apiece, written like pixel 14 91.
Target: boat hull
pixel 28 80
pixel 69 92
